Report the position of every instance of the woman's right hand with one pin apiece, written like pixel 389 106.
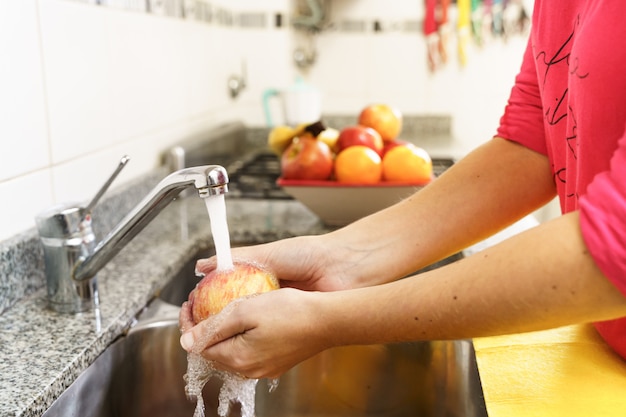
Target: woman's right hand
pixel 307 263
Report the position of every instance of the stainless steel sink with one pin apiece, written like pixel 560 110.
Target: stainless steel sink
pixel 141 374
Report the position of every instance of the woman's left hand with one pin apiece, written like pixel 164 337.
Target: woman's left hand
pixel 258 337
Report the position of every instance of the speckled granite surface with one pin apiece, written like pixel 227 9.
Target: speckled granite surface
pixel 21 268
pixel 42 352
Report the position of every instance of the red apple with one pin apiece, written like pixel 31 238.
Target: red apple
pixel 390 144
pixel 218 288
pixel 307 159
pixel 359 135
pixel 383 118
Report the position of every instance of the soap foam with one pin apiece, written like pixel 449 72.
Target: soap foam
pixel 235 388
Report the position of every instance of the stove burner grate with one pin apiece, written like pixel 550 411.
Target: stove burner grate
pixel 255 177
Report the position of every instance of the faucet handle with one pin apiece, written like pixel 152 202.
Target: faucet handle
pixel 66 236
pixel 105 187
pixel 63 221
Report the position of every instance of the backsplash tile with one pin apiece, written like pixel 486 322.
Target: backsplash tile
pixel 77 77
pixel 22 198
pixel 226 15
pixel 194 10
pixel 413 126
pixel 22 110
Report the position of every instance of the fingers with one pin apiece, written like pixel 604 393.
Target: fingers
pixel 259 337
pixel 235 355
pixel 222 339
pixel 204 266
pixel 185 319
pixel 197 338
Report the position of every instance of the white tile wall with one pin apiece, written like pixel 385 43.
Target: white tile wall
pixel 77 76
pixel 23 129
pixel 81 85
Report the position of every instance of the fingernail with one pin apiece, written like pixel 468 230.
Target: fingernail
pixel 187 340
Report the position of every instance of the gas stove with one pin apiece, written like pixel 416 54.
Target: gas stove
pixel 254 176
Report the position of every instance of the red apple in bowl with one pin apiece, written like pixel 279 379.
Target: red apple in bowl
pixel 390 144
pixel 384 119
pixel 307 159
pixel 359 136
pixel 220 287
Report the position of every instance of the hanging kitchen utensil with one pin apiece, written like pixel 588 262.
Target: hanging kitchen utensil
pixel 476 17
pixel 432 35
pixel 515 18
pixel 463 29
pixel 444 29
pixel 486 21
pixel 497 10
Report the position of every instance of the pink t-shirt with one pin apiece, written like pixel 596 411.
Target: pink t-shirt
pixel 569 103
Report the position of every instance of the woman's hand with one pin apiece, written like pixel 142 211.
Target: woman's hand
pixel 267 334
pixel 259 337
pixel 313 263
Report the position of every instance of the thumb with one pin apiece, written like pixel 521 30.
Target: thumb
pixel 204 266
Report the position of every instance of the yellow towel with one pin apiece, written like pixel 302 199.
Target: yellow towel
pixel 568 371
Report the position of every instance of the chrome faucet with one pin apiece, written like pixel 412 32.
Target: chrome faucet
pixel 72 257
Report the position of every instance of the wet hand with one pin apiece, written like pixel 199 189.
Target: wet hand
pixel 307 263
pixel 258 337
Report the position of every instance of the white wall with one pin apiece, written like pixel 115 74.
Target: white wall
pixel 81 85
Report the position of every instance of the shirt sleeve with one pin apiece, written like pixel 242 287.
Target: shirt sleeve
pixel 603 218
pixel 522 121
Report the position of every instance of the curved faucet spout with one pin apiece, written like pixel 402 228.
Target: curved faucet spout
pixel 209 180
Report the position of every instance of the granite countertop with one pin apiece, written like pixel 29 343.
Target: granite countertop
pixel 42 352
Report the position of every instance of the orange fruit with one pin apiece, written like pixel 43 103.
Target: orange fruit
pixel 407 163
pixel 358 164
pixel 385 119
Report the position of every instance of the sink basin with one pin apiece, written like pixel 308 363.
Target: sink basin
pixel 141 374
pixel 177 290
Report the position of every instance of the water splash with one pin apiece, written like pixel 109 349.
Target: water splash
pixel 235 388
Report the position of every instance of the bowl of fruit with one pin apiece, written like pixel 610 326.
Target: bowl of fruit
pixel 344 175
